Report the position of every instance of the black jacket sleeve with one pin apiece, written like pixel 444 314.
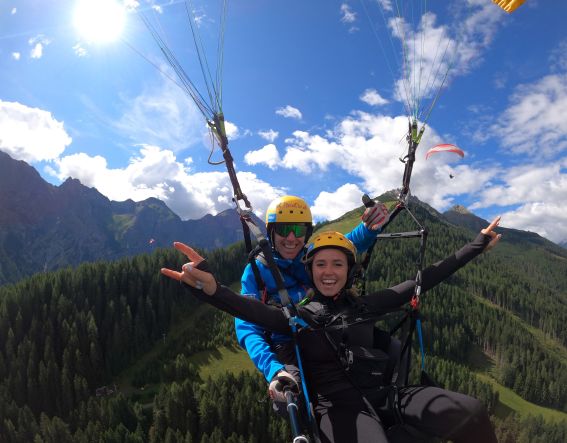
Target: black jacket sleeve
pixel 250 309
pixel 402 293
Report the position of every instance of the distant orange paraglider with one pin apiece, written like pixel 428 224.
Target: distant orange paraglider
pixel 445 147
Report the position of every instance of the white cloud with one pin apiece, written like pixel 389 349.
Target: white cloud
pixel 548 219
pixel 373 98
pixel 432 49
pixel 558 57
pixel 16 55
pixel 268 155
pixel 199 18
pixel 156 172
pixel 269 135
pixel 38 43
pixel 500 80
pixel 37 51
pixel 289 112
pixel 539 190
pixel 534 123
pixel 306 152
pixel 348 15
pixel 386 5
pixel 369 146
pixel 527 183
pixel 13 11
pixel 131 5
pixel 79 50
pixel 30 134
pixel 163 115
pixel 259 192
pixel 331 205
pixel 232 131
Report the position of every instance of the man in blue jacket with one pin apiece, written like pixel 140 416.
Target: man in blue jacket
pixel 289 224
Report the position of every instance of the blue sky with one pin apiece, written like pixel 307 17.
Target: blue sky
pixel 311 91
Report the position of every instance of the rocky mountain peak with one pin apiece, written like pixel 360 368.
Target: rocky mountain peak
pixel 460 210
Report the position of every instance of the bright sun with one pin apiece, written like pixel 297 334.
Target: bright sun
pixel 99 21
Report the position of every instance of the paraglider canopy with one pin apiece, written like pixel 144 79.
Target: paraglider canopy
pixel 445 147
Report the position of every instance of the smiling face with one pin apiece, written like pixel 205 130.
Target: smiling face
pixel 288 247
pixel 330 271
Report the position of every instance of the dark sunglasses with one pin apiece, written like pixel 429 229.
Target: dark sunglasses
pixel 284 229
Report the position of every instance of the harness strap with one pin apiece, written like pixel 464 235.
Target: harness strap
pixel 368 202
pixel 345 353
pixel 294 322
pixel 266 249
pixel 217 125
pixel 395 406
pixel 248 226
pixel 413 139
pixel 420 337
pixel 406 349
pixel 348 375
pixel 363 318
pixel 257 276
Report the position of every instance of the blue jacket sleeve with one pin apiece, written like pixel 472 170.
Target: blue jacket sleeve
pixel 252 337
pixel 362 237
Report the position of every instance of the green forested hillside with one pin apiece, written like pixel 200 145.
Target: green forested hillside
pixel 66 335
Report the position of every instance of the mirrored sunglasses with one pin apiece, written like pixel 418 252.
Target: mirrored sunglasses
pixel 284 229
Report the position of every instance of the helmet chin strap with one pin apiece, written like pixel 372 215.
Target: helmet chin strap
pixel 339 294
pixel 271 237
pixel 354 271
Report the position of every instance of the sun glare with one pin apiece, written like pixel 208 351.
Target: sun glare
pixel 99 21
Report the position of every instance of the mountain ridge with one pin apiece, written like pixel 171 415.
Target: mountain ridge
pixel 46 227
pixel 502 317
pixel 492 318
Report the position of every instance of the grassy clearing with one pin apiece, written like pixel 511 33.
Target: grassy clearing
pixel 484 368
pixel 344 224
pixel 550 344
pixel 350 220
pixel 512 402
pixel 222 360
pixel 209 363
pixel 479 361
pixel 182 324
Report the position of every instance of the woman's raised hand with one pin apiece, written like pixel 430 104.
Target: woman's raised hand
pixel 196 278
pixel 489 230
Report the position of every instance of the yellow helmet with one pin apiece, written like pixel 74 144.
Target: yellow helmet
pixel 335 240
pixel 288 209
pixel 330 239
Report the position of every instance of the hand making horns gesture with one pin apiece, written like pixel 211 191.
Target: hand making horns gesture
pixel 205 281
pixel 189 274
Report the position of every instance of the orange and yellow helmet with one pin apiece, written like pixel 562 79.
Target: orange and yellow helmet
pixel 288 209
pixel 335 240
pixel 330 239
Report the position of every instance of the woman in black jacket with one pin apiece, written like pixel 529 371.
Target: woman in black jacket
pixel 346 373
